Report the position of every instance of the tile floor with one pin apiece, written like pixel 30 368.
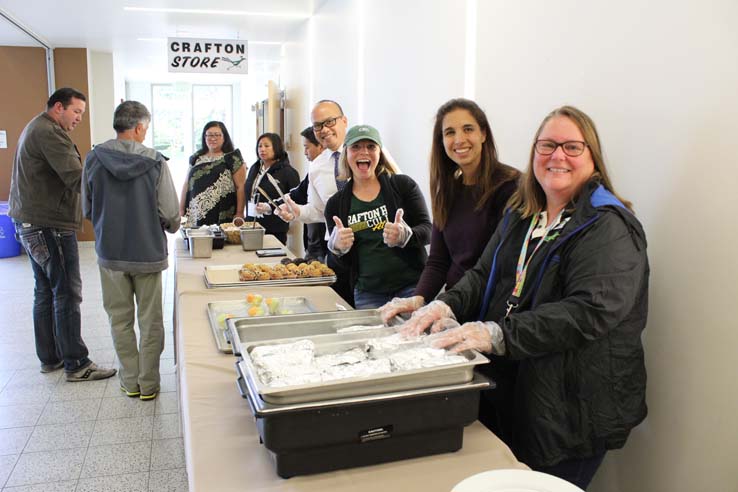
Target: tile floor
pixel 57 436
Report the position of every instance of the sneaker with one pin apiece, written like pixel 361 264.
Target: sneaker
pixel 46 368
pixel 90 373
pixel 132 394
pixel 152 396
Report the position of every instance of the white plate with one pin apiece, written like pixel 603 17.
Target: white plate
pixel 514 481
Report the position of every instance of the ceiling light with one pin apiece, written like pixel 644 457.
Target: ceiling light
pixel 300 15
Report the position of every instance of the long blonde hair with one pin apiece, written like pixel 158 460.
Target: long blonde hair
pixel 530 199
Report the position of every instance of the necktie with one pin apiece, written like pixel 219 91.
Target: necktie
pixel 340 183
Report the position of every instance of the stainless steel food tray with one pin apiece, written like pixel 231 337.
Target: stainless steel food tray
pixel 247 330
pixel 260 408
pixel 239 309
pixel 358 386
pixel 217 276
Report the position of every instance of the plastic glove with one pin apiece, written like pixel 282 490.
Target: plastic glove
pixel 263 208
pixel 400 305
pixel 484 336
pixel 443 324
pixel 238 221
pixel 397 233
pixel 289 210
pixel 423 318
pixel 342 238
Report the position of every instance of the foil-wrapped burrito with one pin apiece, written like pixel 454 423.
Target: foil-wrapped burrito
pixel 296 363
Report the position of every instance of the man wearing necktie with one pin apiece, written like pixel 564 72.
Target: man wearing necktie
pixel 329 125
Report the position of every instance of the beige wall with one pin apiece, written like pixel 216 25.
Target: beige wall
pixel 23 95
pixel 659 78
pixel 101 96
pixel 70 70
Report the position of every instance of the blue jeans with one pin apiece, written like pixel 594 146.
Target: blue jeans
pixel 578 472
pixel 371 300
pixel 57 296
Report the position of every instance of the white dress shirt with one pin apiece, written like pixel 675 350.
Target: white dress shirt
pixel 322 186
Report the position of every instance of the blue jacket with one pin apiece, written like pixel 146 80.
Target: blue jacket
pixel 580 382
pixel 128 194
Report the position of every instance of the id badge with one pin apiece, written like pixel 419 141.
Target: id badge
pixel 252 210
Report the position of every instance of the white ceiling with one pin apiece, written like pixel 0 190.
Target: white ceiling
pixel 138 38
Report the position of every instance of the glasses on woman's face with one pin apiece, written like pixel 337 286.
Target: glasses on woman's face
pixel 330 123
pixel 572 148
pixel 213 135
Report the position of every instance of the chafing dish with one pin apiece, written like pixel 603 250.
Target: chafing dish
pixel 346 423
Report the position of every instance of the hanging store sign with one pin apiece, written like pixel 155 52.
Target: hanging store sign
pixel 208 55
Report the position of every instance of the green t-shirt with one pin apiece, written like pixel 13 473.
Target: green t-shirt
pixel 381 270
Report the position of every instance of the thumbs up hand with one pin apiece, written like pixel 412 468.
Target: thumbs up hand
pixel 342 238
pixel 397 233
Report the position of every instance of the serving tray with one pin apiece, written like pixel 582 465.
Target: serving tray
pixel 217 276
pixel 239 309
pixel 450 374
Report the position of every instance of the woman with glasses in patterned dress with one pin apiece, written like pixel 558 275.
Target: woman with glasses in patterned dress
pixel 213 192
pixel 562 289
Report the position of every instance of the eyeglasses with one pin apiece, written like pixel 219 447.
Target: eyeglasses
pixel 572 148
pixel 213 135
pixel 330 123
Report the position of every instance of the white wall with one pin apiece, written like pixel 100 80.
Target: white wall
pixel 410 70
pixel 334 45
pixel 659 78
pixel 102 101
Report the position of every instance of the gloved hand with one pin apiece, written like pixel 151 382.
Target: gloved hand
pixel 397 233
pixel 263 208
pixel 423 318
pixel 289 210
pixel 238 221
pixel 400 305
pixel 342 238
pixel 484 336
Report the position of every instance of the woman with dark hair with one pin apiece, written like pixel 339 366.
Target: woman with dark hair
pixel 273 160
pixel 213 192
pixel 561 290
pixel 469 190
pixel 378 222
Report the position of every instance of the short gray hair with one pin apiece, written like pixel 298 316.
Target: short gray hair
pixel 129 114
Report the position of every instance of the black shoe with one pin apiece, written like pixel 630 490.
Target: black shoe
pixel 46 368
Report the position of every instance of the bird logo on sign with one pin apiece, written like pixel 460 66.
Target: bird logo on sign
pixel 234 63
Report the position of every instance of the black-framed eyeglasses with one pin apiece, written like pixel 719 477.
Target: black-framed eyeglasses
pixel 572 148
pixel 330 123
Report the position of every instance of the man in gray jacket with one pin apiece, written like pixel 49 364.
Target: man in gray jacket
pixel 45 206
pixel 128 194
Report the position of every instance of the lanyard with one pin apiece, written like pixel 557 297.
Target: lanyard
pixel 521 270
pixel 257 183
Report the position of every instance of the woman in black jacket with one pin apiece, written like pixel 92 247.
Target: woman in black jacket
pixel 272 160
pixel 562 288
pixel 378 222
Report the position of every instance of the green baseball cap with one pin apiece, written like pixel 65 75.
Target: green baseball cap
pixel 362 132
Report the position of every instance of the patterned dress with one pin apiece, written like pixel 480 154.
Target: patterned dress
pixel 211 194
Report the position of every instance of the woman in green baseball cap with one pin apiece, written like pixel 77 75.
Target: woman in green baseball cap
pixel 378 223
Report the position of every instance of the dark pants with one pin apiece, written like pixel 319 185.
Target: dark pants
pixel 315 244
pixel 578 472
pixel 281 236
pixel 342 287
pixel 57 296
